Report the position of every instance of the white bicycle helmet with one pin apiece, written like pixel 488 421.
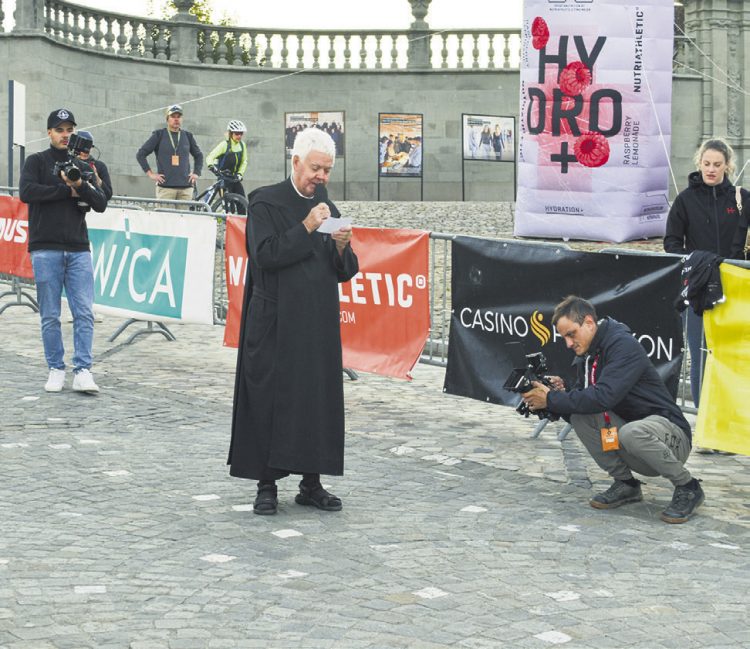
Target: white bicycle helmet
pixel 236 126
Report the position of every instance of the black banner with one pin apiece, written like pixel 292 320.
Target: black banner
pixel 504 293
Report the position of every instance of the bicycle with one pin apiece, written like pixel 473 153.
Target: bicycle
pixel 218 199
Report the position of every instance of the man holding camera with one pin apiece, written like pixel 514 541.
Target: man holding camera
pixel 621 410
pixel 59 191
pixel 101 173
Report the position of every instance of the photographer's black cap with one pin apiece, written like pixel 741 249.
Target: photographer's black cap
pixel 59 116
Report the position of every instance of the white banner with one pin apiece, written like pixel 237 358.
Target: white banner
pixel 595 123
pixel 153 265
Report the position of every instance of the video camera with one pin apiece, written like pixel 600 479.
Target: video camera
pixel 74 168
pixel 520 381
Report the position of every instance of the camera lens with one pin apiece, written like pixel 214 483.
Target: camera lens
pixel 73 173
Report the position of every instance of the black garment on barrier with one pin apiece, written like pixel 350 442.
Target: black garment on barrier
pixel 701 282
pixel 505 292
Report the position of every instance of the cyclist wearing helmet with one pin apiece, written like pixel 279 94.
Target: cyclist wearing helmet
pixel 230 155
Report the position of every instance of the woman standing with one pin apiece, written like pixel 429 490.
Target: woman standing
pixel 230 155
pixel 705 216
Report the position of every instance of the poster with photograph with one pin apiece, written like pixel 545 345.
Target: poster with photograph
pixel 400 144
pixel 489 137
pixel 331 122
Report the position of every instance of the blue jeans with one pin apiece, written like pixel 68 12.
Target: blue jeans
pixel 53 270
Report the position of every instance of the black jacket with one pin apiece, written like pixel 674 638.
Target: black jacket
pixel 103 172
pixel 706 218
pixel 626 382
pixel 701 282
pixel 56 222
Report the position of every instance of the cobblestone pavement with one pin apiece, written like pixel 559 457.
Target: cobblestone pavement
pixel 122 529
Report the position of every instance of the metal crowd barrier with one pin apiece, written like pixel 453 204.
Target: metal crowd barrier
pixel 19 287
pixel 436 347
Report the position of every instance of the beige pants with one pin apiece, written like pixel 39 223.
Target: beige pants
pixel 174 193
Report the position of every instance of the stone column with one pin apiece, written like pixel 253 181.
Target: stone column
pixel 420 51
pixel 720 29
pixel 29 17
pixel 184 42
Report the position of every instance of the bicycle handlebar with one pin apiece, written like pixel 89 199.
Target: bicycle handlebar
pixel 224 174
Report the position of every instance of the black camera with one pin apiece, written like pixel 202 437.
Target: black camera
pixel 520 381
pixel 74 168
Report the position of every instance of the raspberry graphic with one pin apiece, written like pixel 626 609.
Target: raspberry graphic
pixel 591 149
pixel 575 78
pixel 539 33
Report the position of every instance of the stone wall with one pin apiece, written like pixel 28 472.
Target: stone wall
pixel 118 100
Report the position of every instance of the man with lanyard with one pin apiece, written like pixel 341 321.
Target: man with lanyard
pixel 230 155
pixel 621 410
pixel 173 147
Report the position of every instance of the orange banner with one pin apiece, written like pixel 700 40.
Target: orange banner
pixel 235 271
pixel 14 238
pixel 385 310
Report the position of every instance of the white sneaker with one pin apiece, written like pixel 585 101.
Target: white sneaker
pixel 55 381
pixel 83 381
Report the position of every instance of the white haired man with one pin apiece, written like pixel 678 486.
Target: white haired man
pixel 288 412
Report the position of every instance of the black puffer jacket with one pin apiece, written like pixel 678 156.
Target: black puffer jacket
pixel 626 382
pixel 706 218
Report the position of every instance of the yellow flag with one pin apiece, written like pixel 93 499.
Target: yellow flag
pixel 724 413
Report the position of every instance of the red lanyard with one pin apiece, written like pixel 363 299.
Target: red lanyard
pixel 607 420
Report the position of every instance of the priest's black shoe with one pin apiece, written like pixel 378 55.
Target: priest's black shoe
pixel 266 502
pixel 316 496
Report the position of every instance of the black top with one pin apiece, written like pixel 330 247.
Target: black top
pixel 56 222
pixel 289 398
pixel 626 382
pixel 707 218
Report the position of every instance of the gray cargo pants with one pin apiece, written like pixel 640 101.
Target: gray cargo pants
pixel 651 446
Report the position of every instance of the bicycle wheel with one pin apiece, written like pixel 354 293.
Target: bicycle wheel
pixel 206 196
pixel 216 203
pixel 235 203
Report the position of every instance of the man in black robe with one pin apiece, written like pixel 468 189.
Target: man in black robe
pixel 288 412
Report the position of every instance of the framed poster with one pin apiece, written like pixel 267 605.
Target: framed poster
pixel 489 137
pixel 332 122
pixel 400 144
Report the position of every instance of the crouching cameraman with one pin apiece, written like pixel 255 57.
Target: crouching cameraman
pixel 60 190
pixel 621 410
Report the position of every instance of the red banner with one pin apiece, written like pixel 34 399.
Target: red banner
pixel 235 272
pixel 14 238
pixel 385 311
pixel 385 308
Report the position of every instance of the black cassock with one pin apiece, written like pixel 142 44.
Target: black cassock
pixel 288 414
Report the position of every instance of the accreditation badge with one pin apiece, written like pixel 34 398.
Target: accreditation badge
pixel 610 441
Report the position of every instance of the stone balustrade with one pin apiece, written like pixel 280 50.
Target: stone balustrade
pixel 108 32
pixel 133 36
pixel 182 39
pixel 343 50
